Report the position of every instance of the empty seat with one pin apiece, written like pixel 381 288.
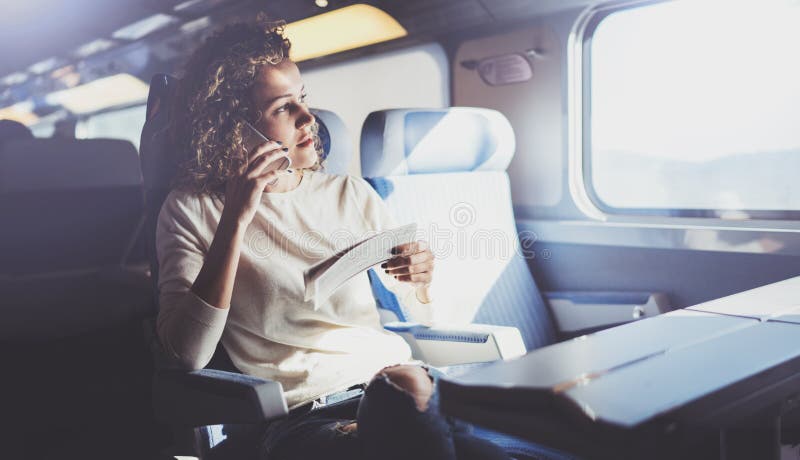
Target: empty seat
pixel 445 170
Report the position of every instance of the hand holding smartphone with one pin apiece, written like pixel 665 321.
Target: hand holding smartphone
pixel 252 138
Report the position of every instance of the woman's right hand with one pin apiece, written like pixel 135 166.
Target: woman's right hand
pixel 243 190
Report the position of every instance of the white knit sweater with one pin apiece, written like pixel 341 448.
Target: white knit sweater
pixel 269 331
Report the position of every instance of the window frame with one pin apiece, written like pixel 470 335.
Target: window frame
pixel 583 45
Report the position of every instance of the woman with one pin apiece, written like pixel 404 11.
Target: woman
pixel 233 241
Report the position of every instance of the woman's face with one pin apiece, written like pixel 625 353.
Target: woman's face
pixel 279 95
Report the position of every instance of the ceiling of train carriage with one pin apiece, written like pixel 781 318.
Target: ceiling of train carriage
pixel 49 45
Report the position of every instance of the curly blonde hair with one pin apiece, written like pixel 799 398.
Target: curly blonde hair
pixel 214 98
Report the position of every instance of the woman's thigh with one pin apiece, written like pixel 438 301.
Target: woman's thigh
pixel 324 434
pixel 392 424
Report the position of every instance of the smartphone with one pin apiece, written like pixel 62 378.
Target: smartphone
pixel 252 138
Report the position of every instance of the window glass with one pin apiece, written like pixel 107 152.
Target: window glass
pixel 120 124
pixel 43 129
pixel 695 106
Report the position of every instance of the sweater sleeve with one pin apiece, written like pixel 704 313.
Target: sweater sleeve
pixel 188 327
pixel 379 218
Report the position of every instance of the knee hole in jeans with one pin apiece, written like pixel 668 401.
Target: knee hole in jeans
pixel 412 380
pixel 346 429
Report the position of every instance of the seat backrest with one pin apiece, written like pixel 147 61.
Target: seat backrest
pixel 71 211
pixel 67 204
pixel 445 170
pixel 158 166
pixel 337 146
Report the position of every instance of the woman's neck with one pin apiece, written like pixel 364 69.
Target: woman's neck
pixel 286 182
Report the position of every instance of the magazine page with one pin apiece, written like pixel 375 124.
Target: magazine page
pixel 324 278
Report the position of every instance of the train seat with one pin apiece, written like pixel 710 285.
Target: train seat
pixel 445 170
pixel 74 290
pixel 72 210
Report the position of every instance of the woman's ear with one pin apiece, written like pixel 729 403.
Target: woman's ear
pixel 251 113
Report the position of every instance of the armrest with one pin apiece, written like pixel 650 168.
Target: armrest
pixel 462 344
pixel 212 397
pixel 578 312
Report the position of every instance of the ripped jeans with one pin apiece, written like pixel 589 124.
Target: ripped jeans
pixel 389 426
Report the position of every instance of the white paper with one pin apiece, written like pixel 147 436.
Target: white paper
pixel 324 278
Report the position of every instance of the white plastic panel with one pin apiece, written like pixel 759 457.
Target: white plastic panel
pixel 573 315
pixel 536 170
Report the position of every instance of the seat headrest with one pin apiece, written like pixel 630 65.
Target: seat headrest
pixel 11 130
pixel 337 146
pixel 67 164
pixel 400 142
pixel 162 89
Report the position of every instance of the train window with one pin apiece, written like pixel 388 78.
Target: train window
pixel 117 124
pixel 691 109
pixel 43 129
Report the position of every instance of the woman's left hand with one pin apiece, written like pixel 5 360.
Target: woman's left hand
pixel 413 263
